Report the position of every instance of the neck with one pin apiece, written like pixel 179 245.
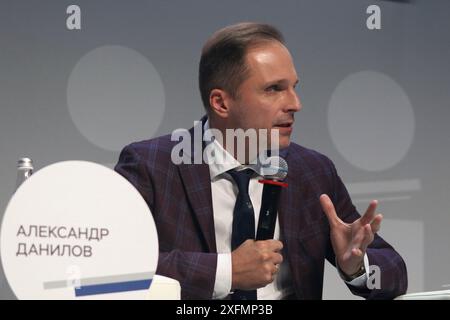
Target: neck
pixel 238 147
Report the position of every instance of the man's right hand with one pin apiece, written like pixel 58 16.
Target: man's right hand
pixel 254 263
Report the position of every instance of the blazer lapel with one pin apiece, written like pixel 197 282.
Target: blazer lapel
pixel 197 183
pixel 292 223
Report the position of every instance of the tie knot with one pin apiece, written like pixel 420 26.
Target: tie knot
pixel 242 178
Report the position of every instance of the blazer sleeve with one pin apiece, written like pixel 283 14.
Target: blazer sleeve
pixel 196 271
pixel 393 276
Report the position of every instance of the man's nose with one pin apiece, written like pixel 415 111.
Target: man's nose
pixel 293 104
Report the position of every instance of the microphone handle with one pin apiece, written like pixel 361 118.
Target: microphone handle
pixel 268 212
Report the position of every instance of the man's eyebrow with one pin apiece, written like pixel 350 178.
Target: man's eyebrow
pixel 281 81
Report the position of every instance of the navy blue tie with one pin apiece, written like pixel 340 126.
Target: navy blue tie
pixel 243 222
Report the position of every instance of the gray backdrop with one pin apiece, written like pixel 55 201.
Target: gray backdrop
pixel 375 101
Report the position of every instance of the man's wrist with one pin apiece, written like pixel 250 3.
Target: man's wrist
pixel 361 270
pixel 349 277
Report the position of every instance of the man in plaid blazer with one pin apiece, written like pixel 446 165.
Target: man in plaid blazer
pixel 247 80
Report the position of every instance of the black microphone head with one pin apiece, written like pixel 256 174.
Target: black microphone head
pixel 274 168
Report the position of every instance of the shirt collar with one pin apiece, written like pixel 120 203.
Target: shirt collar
pixel 223 161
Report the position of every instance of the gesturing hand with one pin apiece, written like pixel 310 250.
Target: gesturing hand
pixel 350 240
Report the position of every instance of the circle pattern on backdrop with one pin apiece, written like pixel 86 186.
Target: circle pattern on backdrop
pixel 371 120
pixel 115 96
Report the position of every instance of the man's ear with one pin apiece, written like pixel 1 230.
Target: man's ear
pixel 219 102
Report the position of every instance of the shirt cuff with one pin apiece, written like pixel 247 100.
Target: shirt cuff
pixel 222 285
pixel 361 281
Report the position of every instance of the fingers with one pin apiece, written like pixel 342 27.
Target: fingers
pixel 270 245
pixel 376 223
pixel 255 263
pixel 357 252
pixel 361 240
pixel 276 269
pixel 277 258
pixel 364 234
pixel 271 258
pixel 370 213
pixel 367 238
pixel 370 225
pixel 328 208
pixel 270 251
pixel 277 245
pixel 272 262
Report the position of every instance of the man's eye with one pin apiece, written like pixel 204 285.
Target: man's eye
pixel 273 88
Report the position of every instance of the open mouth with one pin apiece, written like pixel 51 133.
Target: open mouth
pixel 284 125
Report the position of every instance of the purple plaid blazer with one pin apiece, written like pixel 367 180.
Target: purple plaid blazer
pixel 179 197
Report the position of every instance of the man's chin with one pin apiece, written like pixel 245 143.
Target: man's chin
pixel 284 143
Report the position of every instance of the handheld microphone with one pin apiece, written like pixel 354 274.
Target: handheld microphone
pixel 273 173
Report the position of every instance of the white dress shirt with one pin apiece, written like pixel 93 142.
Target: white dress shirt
pixel 224 193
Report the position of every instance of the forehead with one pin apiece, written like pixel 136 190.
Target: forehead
pixel 270 62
